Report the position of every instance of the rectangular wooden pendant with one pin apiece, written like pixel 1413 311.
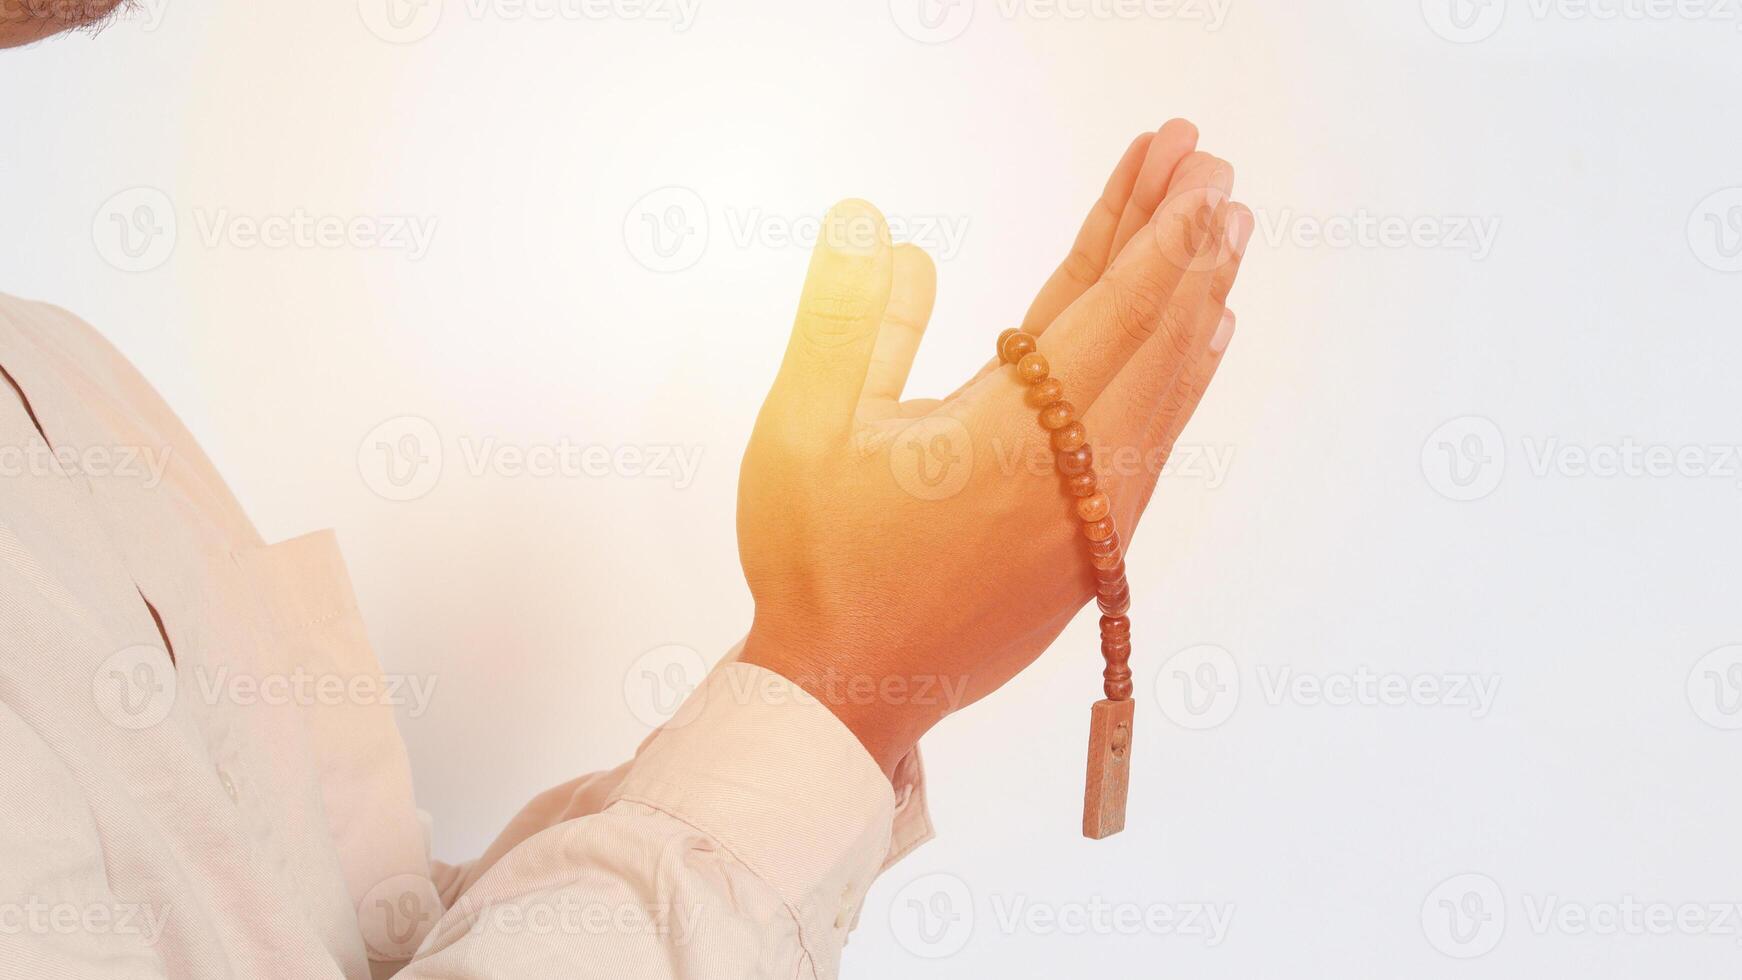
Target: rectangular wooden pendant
pixel 1109 768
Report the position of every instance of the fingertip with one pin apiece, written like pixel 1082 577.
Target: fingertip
pixel 1241 223
pixel 854 227
pixel 1224 333
pixel 1179 131
pixel 914 264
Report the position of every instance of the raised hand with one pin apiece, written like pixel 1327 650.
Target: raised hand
pixel 908 558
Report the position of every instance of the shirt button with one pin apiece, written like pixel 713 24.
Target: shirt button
pixel 844 918
pixel 229 785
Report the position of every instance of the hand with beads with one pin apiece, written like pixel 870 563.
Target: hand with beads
pixel 897 596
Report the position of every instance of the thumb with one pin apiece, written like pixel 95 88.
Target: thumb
pixel 845 293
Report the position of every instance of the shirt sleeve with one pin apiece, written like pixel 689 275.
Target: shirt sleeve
pixel 740 842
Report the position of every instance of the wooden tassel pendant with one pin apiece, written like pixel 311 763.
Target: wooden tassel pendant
pixel 1110 736
pixel 1109 775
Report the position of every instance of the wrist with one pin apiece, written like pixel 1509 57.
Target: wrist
pixel 888 728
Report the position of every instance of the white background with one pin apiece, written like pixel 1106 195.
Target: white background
pixel 1602 315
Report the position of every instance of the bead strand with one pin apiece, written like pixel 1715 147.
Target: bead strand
pixel 1091 505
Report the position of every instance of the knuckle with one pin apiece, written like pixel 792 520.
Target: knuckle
pixel 1080 269
pixel 1176 327
pixel 835 317
pixel 1134 306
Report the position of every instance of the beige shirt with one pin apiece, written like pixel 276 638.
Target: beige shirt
pixel 226 795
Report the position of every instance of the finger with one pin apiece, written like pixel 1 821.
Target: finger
pixel 1135 300
pixel 1171 147
pixel 1141 387
pixel 1156 391
pixel 1164 428
pixel 845 294
pixel 1101 239
pixel 913 290
pixel 1094 243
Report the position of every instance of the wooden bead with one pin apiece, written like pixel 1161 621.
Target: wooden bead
pixel 1107 547
pixel 1033 368
pixel 1004 338
pixel 1115 625
pixel 1104 562
pixel 1077 461
pixel 1082 484
pixel 1112 572
pixel 1045 392
pixel 1111 587
pixel 1116 650
pixel 1094 507
pixel 1058 415
pixel 1116 606
pixel 1099 530
pixel 1015 347
pixel 1070 437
